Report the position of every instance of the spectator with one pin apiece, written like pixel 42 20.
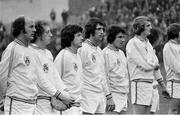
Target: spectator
pixel 65 16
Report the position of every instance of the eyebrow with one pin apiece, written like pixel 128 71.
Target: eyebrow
pixel 120 36
pixel 77 34
pixel 31 26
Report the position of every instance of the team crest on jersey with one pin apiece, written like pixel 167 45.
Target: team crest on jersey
pixel 93 58
pixel 45 68
pixel 146 49
pixel 75 66
pixel 118 62
pixel 27 60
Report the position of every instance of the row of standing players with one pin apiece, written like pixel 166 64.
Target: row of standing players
pixel 83 73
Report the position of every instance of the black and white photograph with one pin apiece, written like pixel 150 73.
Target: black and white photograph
pixel 89 57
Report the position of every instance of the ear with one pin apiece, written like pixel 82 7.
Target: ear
pixel 23 31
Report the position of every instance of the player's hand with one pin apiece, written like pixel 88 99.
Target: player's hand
pixel 110 106
pixel 165 93
pixel 68 101
pixel 157 67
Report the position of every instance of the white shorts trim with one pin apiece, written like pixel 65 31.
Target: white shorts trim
pixel 174 89
pixel 141 93
pixel 17 107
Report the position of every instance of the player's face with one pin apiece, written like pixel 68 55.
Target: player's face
pixel 46 37
pixel 147 28
pixel 99 33
pixel 78 39
pixel 119 41
pixel 29 28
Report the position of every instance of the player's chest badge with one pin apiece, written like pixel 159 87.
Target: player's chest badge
pixel 27 60
pixel 75 67
pixel 118 62
pixel 93 58
pixel 45 68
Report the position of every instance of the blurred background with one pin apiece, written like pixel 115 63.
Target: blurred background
pixel 62 12
pixel 121 12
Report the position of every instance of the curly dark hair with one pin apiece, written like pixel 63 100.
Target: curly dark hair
pixel 173 31
pixel 39 25
pixel 67 34
pixel 90 26
pixel 112 31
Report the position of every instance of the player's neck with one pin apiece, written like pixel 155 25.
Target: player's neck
pixel 144 36
pixel 73 49
pixel 41 45
pixel 23 40
pixel 94 42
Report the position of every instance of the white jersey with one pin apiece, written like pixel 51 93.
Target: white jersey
pixel 116 69
pixel 24 76
pixel 49 69
pixel 94 76
pixel 69 67
pixel 171 57
pixel 141 59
